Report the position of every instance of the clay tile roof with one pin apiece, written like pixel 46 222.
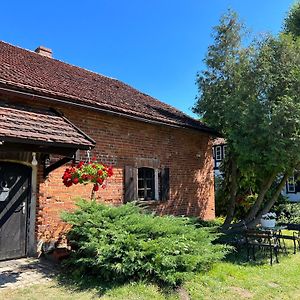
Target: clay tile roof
pixel 24 69
pixel 44 127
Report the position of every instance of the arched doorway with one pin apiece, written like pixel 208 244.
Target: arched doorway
pixel 15 193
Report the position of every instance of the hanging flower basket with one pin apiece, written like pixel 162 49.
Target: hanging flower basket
pixel 85 173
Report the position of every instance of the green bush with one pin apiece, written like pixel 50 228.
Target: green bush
pixel 288 213
pixel 119 244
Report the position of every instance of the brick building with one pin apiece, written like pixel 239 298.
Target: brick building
pixel 52 112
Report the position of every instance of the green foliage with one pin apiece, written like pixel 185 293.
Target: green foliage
pixel 288 213
pixel 250 94
pixel 123 244
pixel 292 21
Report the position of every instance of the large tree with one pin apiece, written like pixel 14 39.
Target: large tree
pixel 292 21
pixel 250 94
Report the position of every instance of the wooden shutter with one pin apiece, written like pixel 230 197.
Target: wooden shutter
pixel 165 184
pixel 130 178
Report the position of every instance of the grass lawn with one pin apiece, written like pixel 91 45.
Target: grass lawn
pixel 249 281
pixel 233 279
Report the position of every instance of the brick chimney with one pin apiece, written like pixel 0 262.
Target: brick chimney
pixel 44 51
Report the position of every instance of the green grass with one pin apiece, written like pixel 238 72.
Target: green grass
pixel 249 281
pixel 55 291
pixel 232 279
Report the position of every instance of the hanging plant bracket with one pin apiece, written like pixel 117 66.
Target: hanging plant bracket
pixel 59 163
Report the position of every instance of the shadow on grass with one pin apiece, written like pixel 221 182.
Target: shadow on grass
pixel 238 255
pixel 89 283
pixel 85 283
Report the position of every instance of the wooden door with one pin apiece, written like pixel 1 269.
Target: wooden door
pixel 15 191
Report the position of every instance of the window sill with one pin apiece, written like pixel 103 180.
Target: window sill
pixel 150 202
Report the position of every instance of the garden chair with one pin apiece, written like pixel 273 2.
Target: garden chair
pixel 261 240
pixel 283 237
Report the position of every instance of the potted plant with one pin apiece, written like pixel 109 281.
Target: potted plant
pixel 268 220
pixel 87 172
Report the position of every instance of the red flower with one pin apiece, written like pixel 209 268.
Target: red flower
pixel 110 172
pixel 80 164
pixel 84 177
pixel 94 158
pixel 75 180
pixel 87 172
pixel 66 176
pixel 68 183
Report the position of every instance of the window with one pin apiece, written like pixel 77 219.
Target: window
pixel 146 184
pixel 218 153
pixel 291 187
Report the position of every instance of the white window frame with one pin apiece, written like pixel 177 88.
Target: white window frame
pixel 218 149
pixel 291 186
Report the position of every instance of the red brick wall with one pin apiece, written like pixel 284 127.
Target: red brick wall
pixel 122 142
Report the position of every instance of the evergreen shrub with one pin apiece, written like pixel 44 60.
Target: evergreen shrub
pixel 121 244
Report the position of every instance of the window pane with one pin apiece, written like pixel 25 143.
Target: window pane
pixel 146 183
pixel 291 185
pixel 218 153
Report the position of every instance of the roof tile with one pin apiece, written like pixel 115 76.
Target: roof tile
pixel 40 126
pixel 31 71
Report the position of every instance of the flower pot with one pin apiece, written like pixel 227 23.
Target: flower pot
pixel 268 223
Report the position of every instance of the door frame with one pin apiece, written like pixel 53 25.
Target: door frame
pixel 30 243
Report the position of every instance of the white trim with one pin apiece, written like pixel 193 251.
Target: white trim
pixel 291 187
pixel 31 240
pixel 218 149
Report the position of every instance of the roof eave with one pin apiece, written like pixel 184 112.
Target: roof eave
pixel 62 100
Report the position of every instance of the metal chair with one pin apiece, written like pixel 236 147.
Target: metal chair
pixel 258 239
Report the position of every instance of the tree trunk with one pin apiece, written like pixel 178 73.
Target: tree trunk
pixel 254 209
pixel 233 192
pixel 272 201
pixel 263 190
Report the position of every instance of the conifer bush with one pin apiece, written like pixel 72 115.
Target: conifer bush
pixel 121 244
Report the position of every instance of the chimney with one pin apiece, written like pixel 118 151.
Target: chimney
pixel 44 51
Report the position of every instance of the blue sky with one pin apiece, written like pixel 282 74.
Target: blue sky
pixel 156 46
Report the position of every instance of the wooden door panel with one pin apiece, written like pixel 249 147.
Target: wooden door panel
pixel 13 211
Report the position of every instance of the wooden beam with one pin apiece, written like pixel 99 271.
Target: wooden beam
pixel 16 147
pixel 56 165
